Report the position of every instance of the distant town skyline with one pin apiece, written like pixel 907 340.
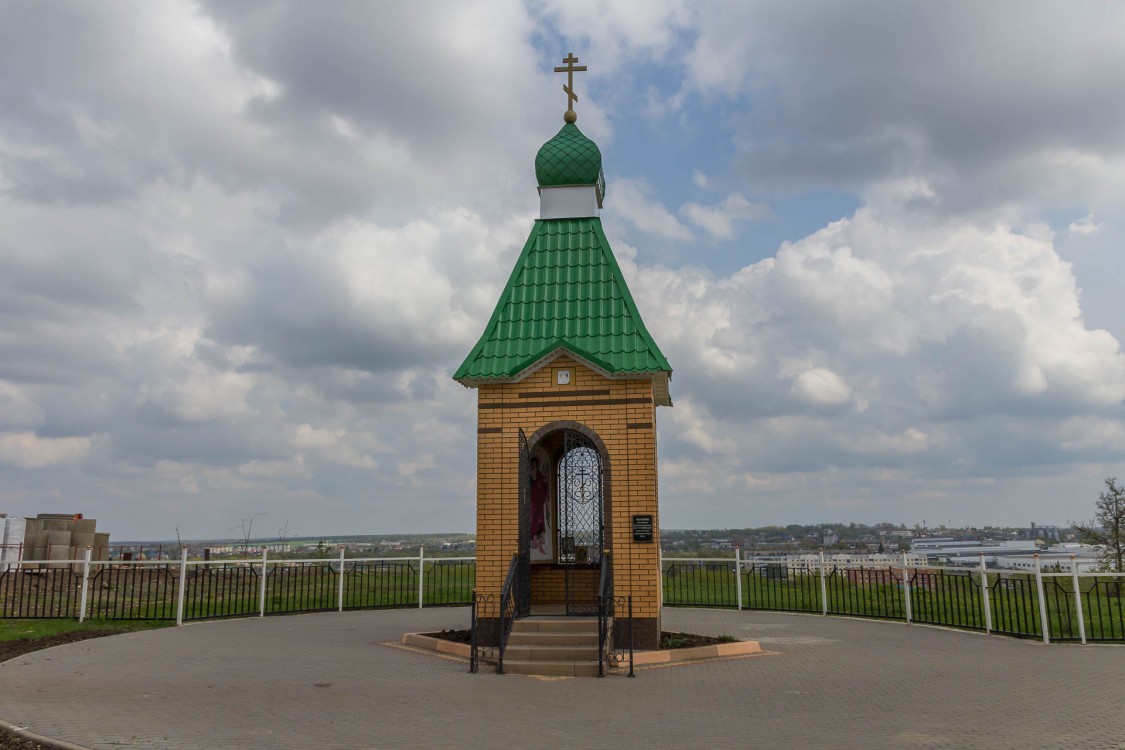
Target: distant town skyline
pixel 415 536
pixel 244 250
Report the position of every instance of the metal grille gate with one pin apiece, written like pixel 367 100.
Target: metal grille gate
pixel 581 518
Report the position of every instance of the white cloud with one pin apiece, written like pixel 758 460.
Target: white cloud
pixel 620 30
pixel 336 446
pixel 999 109
pixel 718 221
pixel 950 342
pixel 633 201
pixel 196 393
pixel 26 450
pixel 1085 226
pixel 822 387
pixel 423 462
pixel 18 408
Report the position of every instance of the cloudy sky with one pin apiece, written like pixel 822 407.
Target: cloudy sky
pixel 244 245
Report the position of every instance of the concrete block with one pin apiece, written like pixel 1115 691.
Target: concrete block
pixel 101 546
pixel 85 525
pixel 15 532
pixel 58 539
pixel 58 555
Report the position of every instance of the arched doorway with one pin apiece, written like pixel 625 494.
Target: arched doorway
pixel 581 490
pixel 564 493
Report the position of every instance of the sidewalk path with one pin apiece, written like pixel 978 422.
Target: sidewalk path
pixel 324 681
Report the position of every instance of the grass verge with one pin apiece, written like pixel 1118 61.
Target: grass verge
pixel 31 630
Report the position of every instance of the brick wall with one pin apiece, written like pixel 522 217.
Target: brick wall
pixel 622 415
pixel 548 584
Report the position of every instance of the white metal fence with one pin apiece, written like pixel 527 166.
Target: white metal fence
pixel 1066 606
pixel 188 589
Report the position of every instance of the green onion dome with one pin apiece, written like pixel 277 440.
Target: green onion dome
pixel 570 158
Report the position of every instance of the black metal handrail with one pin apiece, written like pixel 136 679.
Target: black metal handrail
pixel 509 612
pixel 605 613
pixel 610 627
pixel 482 641
pixel 491 620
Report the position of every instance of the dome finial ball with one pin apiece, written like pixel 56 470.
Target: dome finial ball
pixel 570 116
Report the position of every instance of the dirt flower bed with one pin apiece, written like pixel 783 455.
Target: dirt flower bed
pixel 668 640
pixel 457 636
pixel 9 741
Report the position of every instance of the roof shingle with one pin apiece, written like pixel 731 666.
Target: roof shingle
pixel 565 291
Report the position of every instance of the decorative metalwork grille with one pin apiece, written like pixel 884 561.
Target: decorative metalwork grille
pixel 581 515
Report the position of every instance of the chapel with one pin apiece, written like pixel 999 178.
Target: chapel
pixel 568 381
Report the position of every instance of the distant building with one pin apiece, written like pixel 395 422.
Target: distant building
pixel 1049 533
pixel 1007 554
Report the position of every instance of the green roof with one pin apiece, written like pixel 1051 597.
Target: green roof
pixel 570 158
pixel 566 291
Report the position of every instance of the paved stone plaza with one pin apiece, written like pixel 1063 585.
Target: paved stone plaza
pixel 324 681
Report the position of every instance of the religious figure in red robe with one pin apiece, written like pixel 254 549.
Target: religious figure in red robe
pixel 540 508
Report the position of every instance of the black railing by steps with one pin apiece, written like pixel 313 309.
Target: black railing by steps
pixel 509 612
pixel 492 618
pixel 610 622
pixel 605 613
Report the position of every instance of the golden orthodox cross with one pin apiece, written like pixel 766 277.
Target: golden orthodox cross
pixel 568 87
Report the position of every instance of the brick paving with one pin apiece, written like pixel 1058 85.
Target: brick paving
pixel 325 681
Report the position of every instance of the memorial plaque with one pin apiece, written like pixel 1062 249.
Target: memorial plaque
pixel 642 528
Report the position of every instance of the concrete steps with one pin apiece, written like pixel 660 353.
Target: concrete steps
pixel 553 646
pixel 553 639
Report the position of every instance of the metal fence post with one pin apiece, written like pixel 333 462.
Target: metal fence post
pixel 421 572
pixel 473 633
pixel 631 654
pixel 906 591
pixel 984 596
pixel 738 575
pixel 823 587
pixel 262 587
pixel 1042 601
pixel 182 586
pixel 1078 600
pixel 660 574
pixel 85 584
pixel 340 586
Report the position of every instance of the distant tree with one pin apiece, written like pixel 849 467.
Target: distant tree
pixel 1106 530
pixel 283 534
pixel 245 527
